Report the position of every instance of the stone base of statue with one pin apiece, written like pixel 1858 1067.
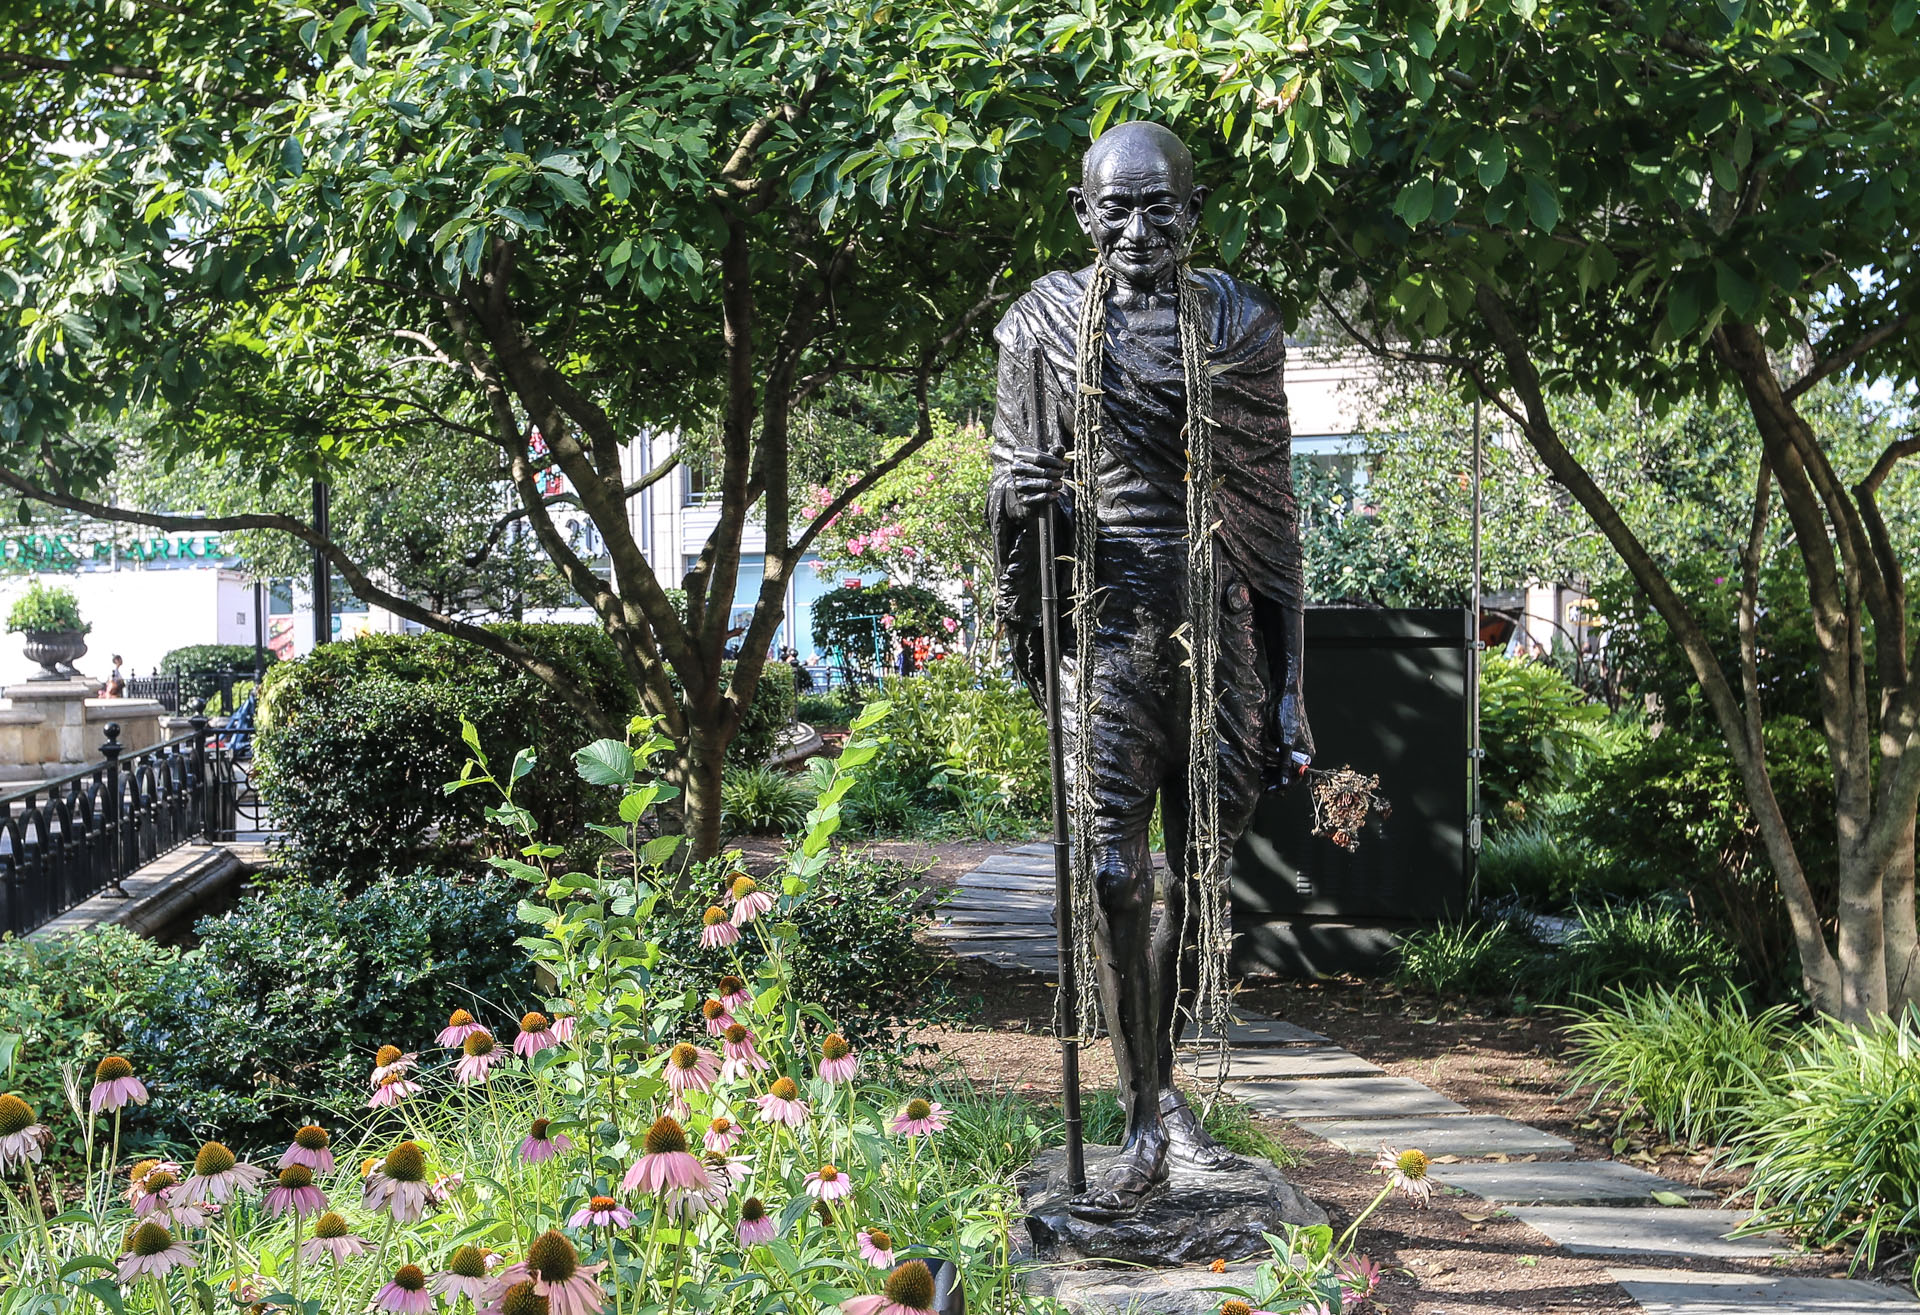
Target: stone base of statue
pixel 1196 1216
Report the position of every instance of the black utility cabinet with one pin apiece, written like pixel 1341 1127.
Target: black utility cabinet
pixel 1387 691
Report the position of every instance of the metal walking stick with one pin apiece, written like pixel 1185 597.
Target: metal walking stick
pixel 1068 1022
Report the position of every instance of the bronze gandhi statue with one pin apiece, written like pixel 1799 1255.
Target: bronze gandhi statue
pixel 1094 427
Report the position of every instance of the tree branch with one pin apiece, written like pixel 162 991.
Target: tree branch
pixel 1826 366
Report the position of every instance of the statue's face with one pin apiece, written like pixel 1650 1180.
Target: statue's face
pixel 1140 207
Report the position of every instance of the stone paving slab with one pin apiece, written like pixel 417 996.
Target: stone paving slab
pixel 1561 1182
pixel 1470 1135
pixel 1006 881
pixel 1107 1290
pixel 1006 931
pixel 977 898
pixel 1688 1292
pixel 1651 1231
pixel 1285 1062
pixel 974 913
pixel 1019 864
pixel 1351 1098
pixel 1251 1029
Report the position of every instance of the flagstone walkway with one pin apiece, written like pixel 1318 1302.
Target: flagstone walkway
pixel 1002 912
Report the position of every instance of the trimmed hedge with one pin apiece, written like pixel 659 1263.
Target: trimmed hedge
pixel 358 738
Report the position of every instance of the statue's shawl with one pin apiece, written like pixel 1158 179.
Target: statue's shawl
pixel 1144 407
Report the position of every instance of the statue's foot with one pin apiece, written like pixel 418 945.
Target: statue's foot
pixel 1190 1143
pixel 1125 1185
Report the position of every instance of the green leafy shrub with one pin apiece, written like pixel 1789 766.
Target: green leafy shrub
pixel 1542 861
pixel 66 999
pixel 1640 944
pixel 1473 958
pixel 855 621
pixel 831 709
pixel 358 739
pixel 196 663
pixel 770 713
pixel 762 800
pixel 277 1013
pixel 1697 1066
pixel 46 607
pixel 1539 729
pixel 1832 1147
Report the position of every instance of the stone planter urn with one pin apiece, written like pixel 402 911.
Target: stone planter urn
pixel 53 649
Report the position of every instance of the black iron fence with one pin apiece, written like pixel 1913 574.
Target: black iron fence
pixel 69 838
pixel 183 690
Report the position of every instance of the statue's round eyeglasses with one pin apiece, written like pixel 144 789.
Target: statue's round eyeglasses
pixel 1161 214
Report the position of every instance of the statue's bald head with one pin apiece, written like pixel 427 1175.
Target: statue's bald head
pixel 1139 146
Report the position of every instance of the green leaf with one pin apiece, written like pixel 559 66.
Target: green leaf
pixel 522 763
pixel 106 1292
pixel 1415 202
pixel 605 762
pixel 1543 207
pixel 659 849
pixel 357 49
pixel 293 156
pixel 1670 1198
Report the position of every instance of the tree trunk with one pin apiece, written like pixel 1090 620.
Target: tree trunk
pixel 1902 942
pixel 706 765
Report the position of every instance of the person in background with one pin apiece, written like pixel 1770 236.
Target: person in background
pixel 117 682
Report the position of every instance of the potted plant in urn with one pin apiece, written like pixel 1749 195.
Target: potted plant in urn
pixel 56 636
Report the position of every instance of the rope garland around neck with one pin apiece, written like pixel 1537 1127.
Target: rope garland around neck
pixel 1206 866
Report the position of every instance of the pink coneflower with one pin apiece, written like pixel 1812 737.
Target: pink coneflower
pixel 153 1197
pixel 838 1063
pixel 536 1034
pixel 756 1224
pixel 554 1268
pixel 218 1177
pixel 782 1104
pixel 737 1045
pixel 1409 1173
pixel 748 900
pixel 563 1028
pixel 733 993
pixel 876 1247
pixel 22 1140
pixel 539 1145
pixel 296 1192
pixel 460 1026
pixel 151 1250
pixel 405 1293
pixel 331 1238
pixel 1234 1306
pixel 464 1276
pixel 691 1068
pixel 392 1090
pixel 721 1135
pixel 828 1184
pixel 114 1085
pixel 717 1018
pixel 601 1212
pixel 399 1185
pixel 142 1170
pixel 717 931
pixel 312 1147
pixel 389 1062
pixel 907 1291
pixel 1359 1279
pixel 665 1161
pixel 478 1054
pixel 920 1118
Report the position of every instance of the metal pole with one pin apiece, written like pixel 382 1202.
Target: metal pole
pixel 322 571
pixel 1474 647
pixel 1068 1022
pixel 259 632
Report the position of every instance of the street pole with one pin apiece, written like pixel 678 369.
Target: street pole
pixel 1068 1022
pixel 259 632
pixel 322 570
pixel 1474 657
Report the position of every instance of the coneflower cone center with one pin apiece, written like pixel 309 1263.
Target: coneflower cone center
pixel 15 1115
pixel 141 1169
pixel 539 1129
pixel 213 1158
pixel 150 1239
pixel 311 1138
pixel 911 1285
pixel 296 1175
pixel 113 1066
pixel 666 1137
pixel 722 1126
pixel 521 1299
pixel 753 1210
pixel 385 1055
pixel 155 1183
pixel 736 1033
pixel 1412 1163
pixel 712 1009
pixel 731 985
pixel 460 1018
pixel 467 1262
pixel 1231 1307
pixel 533 1022
pixel 552 1257
pixel 406 1163
pixel 835 1047
pixel 714 915
pixel 410 1277
pixel 602 1204
pixel 478 1043
pixel 744 886
pixel 685 1056
pixel 829 1174
pixel 330 1225
pixel 880 1238
pixel 919 1109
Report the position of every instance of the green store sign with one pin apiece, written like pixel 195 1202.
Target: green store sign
pixel 59 552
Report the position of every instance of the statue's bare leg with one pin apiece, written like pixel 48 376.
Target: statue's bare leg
pixel 1124 881
pixel 1176 963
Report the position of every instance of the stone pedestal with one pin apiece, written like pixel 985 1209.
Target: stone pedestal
pixel 1195 1217
pixel 56 726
